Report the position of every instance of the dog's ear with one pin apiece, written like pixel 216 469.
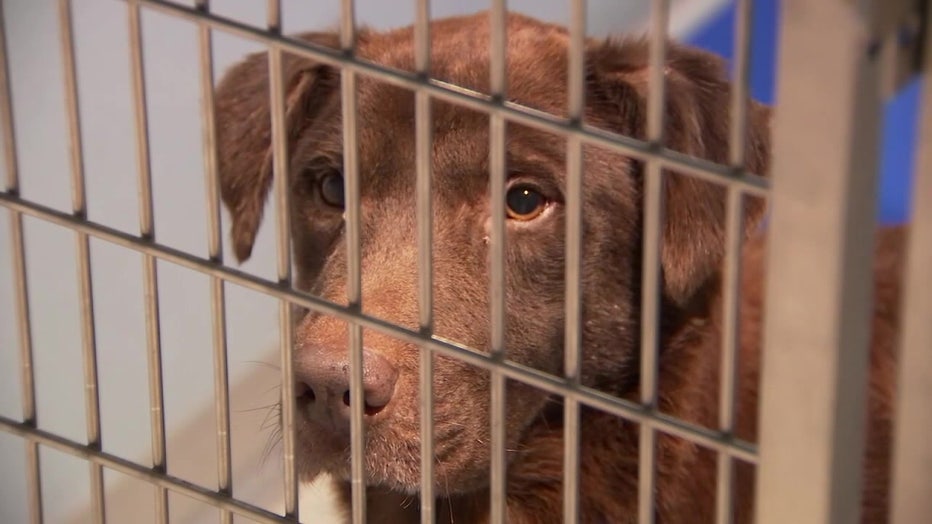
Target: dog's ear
pixel 697 123
pixel 243 121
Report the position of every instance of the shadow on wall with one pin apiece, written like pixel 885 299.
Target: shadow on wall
pixel 900 116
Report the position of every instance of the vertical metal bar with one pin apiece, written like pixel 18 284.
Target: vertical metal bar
pixel 744 11
pixel 818 301
pixel 423 151
pixel 280 160
pixel 731 277
pixel 729 356
pixel 33 482
pixel 215 252
pixel 150 276
pixel 354 262
pixel 912 456
pixel 18 252
pixel 653 230
pixel 497 154
pixel 573 344
pixel 79 207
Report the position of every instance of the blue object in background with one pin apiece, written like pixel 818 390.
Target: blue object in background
pixel 900 115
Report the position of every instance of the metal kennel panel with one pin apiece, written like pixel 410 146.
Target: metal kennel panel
pixel 817 332
pixel 822 201
pixel 815 361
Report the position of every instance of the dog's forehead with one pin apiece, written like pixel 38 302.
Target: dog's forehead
pixel 460 55
pixel 460 147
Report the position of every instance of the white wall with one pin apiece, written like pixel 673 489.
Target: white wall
pixel 108 139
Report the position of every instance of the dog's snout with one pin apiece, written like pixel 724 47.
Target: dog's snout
pixel 322 386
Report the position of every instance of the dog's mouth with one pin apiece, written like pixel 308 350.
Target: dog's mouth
pixel 324 435
pixel 396 466
pixel 392 454
pixel 392 430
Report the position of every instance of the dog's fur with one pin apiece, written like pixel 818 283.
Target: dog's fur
pixel 692 251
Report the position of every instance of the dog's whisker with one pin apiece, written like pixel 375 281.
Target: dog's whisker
pixel 276 387
pixel 272 442
pixel 260 363
pixel 256 408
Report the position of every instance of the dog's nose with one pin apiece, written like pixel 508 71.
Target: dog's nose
pixel 322 386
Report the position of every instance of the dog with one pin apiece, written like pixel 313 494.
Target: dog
pixel 692 252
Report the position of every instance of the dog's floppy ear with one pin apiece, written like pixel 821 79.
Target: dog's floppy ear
pixel 697 123
pixel 244 129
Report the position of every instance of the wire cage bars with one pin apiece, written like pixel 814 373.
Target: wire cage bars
pixel 807 460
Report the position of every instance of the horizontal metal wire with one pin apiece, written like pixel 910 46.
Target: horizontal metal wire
pixel 750 183
pixel 629 410
pixel 223 501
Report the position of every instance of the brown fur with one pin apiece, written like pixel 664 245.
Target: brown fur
pixel 691 256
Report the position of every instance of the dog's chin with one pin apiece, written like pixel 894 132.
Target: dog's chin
pixel 405 486
pixel 393 470
pixel 343 474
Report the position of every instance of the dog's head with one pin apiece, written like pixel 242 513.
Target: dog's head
pixel 616 88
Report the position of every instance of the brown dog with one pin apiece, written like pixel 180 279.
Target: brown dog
pixel 692 251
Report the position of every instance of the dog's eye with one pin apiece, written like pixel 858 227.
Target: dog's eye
pixel 524 203
pixel 331 189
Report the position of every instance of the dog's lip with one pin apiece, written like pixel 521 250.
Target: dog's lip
pixel 332 430
pixel 322 452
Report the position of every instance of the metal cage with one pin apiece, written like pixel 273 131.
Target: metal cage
pixel 822 200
